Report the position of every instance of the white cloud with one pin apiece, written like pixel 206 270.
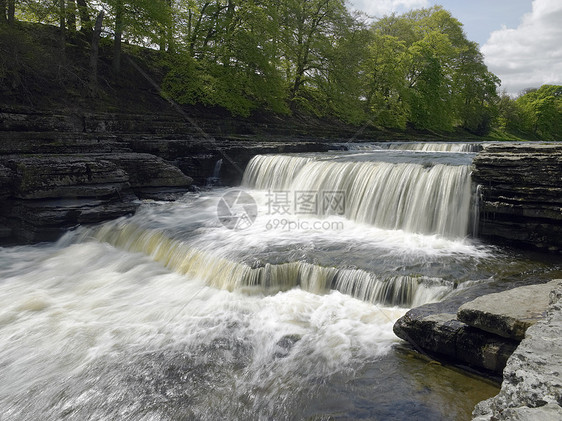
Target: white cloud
pixel 531 54
pixel 379 8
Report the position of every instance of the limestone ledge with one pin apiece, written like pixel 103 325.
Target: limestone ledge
pixel 532 385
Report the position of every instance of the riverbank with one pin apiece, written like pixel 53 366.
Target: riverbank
pixel 514 333
pixel 532 388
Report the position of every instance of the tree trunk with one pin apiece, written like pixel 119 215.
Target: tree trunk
pixel 71 15
pixel 85 20
pixel 11 11
pixel 95 53
pixel 3 10
pixel 116 65
pixel 62 25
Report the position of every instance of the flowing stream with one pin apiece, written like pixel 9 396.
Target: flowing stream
pixel 274 300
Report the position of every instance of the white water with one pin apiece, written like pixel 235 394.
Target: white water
pixel 412 146
pixel 221 270
pixel 92 332
pixel 412 197
pixel 170 315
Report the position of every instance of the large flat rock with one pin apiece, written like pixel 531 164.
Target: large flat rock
pixel 532 385
pixel 509 313
pixel 434 328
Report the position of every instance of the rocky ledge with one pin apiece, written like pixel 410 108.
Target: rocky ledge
pixel 481 331
pixel 62 169
pixel 44 195
pixel 521 194
pixel 532 385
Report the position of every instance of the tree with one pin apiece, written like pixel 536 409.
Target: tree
pixel 84 13
pixel 386 84
pixel 225 56
pixel 305 35
pixel 475 90
pixel 137 20
pixel 93 82
pixel 7 11
pixel 423 71
pixel 542 112
pixel 3 11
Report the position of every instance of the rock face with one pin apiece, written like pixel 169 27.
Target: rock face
pixel 44 195
pixel 532 386
pixel 521 194
pixel 60 169
pixel 508 313
pixel 477 327
pixel 434 328
pixel 64 176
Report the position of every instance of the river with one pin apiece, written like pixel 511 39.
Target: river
pixel 273 300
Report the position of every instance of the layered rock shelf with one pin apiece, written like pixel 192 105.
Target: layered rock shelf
pixel 481 332
pixel 521 194
pixel 63 169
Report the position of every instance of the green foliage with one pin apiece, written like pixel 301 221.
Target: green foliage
pixel 541 112
pixel 313 57
pixel 424 72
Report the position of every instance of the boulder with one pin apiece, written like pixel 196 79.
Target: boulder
pixel 532 385
pixel 435 329
pixel 508 313
pixel 32 221
pixel 441 334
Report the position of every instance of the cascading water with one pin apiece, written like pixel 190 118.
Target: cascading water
pixel 412 197
pixel 214 179
pixel 422 147
pixel 169 314
pixel 223 273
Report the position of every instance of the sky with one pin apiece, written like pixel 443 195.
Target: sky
pixel 521 39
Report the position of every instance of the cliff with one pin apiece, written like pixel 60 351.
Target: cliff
pixel 59 169
pixel 521 194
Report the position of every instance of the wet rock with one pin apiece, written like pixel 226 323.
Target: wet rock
pixel 6 177
pixel 64 176
pixel 442 334
pixel 521 194
pixel 532 386
pixel 48 194
pixel 32 221
pixel 145 170
pixel 508 313
pixel 284 345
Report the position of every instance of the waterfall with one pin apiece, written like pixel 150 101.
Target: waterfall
pixel 410 197
pixel 223 273
pixel 422 147
pixel 273 171
pixel 215 178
